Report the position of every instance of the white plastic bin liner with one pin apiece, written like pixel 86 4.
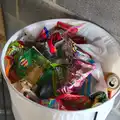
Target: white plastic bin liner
pixel 108 55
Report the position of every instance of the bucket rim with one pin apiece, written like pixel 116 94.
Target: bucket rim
pixel 14 37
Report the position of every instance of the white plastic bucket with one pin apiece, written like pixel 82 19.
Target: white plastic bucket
pixel 24 109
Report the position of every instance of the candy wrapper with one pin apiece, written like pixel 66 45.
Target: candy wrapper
pixel 71 31
pixel 49 37
pixel 13 76
pixel 73 102
pixel 34 75
pixel 43 35
pixel 79 40
pixel 88 55
pixel 29 59
pixel 44 87
pixel 98 97
pixel 88 86
pixel 55 37
pixel 14 48
pixel 41 44
pixel 8 64
pixel 53 78
pixel 51 103
pixel 77 75
pixel 68 49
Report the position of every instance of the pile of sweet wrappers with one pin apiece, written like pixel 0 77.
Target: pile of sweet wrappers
pixel 54 71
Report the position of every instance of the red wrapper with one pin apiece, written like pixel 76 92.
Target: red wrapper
pixel 79 40
pixel 73 102
pixel 13 76
pixel 77 75
pixel 55 37
pixel 52 48
pixel 63 26
pixel 43 35
pixel 70 30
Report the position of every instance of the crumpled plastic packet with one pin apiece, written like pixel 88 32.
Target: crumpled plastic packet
pixel 98 97
pixel 51 103
pixel 88 86
pixel 97 73
pixel 53 78
pixel 13 48
pixel 29 59
pixel 78 73
pixel 73 102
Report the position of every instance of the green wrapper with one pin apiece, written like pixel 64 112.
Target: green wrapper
pixel 60 73
pixel 13 48
pixel 98 97
pixel 44 85
pixel 54 77
pixel 30 59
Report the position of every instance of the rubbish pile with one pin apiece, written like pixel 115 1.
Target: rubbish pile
pixel 54 70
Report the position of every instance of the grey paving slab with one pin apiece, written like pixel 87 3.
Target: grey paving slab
pixel 2 117
pixel 106 13
pixel 1 97
pixel 12 25
pixel 36 10
pixel 9 6
pixel 113 116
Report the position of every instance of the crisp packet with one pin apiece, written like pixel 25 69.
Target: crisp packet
pixel 59 76
pixel 53 38
pixel 52 79
pixel 30 58
pixel 73 102
pixel 52 48
pixel 82 55
pixel 77 76
pixel 79 40
pixel 13 76
pixel 98 97
pixel 43 35
pixel 44 87
pixel 51 103
pixel 71 31
pixel 69 50
pixel 44 102
pixel 14 47
pixel 88 86
pixel 33 76
pixel 8 64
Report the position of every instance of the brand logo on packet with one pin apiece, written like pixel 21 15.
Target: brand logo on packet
pixel 24 62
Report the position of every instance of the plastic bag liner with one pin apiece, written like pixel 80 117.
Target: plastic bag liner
pixel 104 49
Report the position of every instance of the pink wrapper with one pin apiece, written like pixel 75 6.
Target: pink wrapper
pixel 79 72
